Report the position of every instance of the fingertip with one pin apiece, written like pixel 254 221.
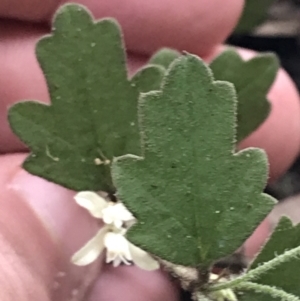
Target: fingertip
pixel 133 284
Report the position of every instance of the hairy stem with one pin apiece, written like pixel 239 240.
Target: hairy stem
pixel 261 269
pixel 268 290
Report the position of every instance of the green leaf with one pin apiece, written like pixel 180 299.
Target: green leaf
pixel 191 192
pixel 148 78
pixel 252 80
pixel 285 276
pixel 255 12
pixel 93 111
pixel 164 57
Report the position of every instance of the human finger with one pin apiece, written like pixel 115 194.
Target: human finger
pixel 41 227
pixel 195 26
pixel 38 234
pixel 133 284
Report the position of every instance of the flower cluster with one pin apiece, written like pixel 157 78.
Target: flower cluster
pixel 117 219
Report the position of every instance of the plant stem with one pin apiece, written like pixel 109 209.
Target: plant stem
pixel 268 290
pixel 255 273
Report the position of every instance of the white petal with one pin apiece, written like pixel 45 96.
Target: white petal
pixel 117 261
pixel 110 256
pixel 92 202
pixel 107 219
pixel 143 259
pixel 118 224
pixel 91 250
pixel 117 246
pixel 116 242
pixel 116 214
pixel 122 212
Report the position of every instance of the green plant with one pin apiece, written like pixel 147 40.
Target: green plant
pixel 164 144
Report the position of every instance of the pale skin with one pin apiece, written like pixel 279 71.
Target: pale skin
pixel 40 224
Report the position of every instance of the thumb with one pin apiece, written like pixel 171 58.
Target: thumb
pixel 38 234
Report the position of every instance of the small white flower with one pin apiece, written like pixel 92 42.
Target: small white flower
pixel 111 213
pixel 111 236
pixel 116 214
pixel 117 249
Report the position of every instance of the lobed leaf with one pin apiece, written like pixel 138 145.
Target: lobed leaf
pixel 93 111
pixel 191 192
pixel 252 80
pixel 164 57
